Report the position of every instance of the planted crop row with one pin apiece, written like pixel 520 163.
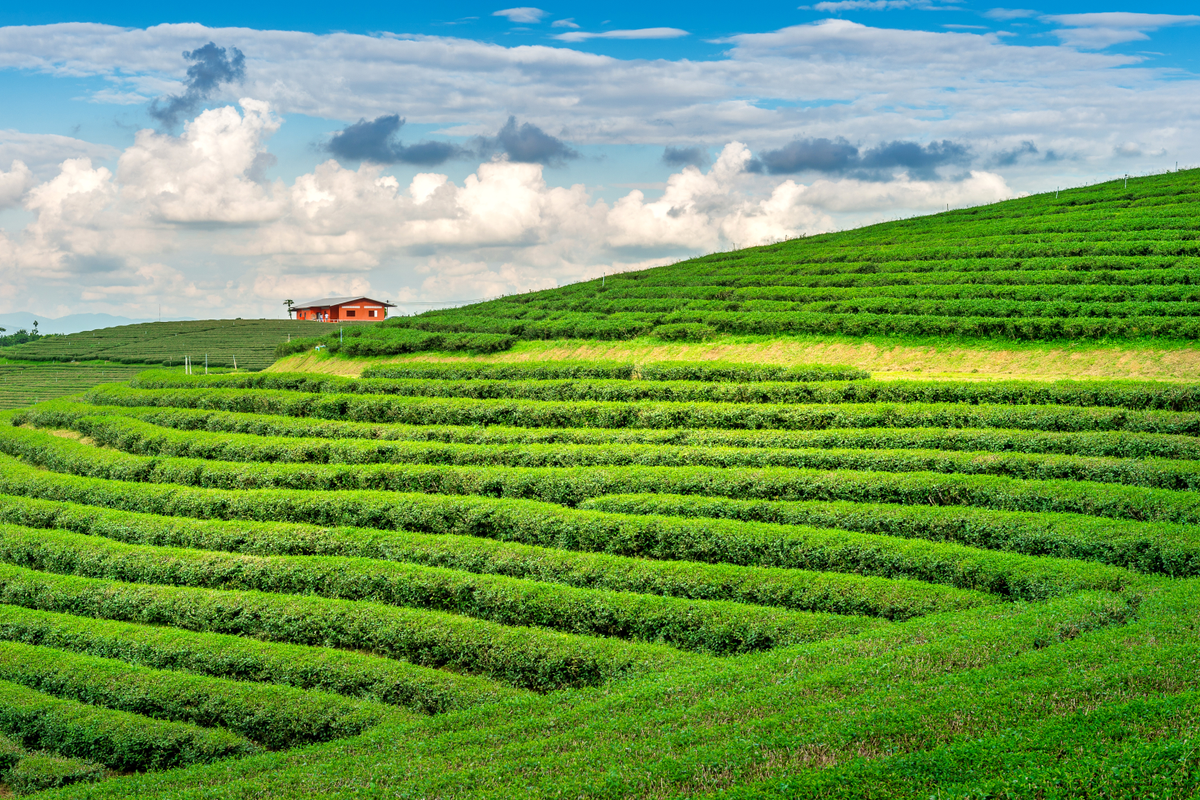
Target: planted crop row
pixel 571 486
pixel 117 739
pixel 715 627
pixel 522 657
pixel 533 414
pixel 237 658
pixel 786 588
pixel 134 436
pixel 1171 549
pixel 1133 395
pixel 665 538
pixel 275 717
pixel 24 772
pixel 1114 444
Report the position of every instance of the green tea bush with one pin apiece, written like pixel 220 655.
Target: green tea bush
pixel 342 672
pixel 719 541
pixel 116 739
pixel 38 772
pixel 275 717
pixel 786 588
pixel 523 657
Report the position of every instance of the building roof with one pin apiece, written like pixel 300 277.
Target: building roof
pixel 325 302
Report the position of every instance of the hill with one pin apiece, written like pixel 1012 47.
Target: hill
pixel 251 342
pixel 1106 262
pixel 23 385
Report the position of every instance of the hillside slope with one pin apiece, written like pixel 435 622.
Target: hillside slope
pixel 252 342
pixel 1104 262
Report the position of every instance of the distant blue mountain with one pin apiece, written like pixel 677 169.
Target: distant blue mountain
pixel 72 323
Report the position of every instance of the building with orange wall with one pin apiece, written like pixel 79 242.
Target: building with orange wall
pixel 342 309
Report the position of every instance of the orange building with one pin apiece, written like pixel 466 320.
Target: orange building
pixel 343 309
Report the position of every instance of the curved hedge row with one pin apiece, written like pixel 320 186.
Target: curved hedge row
pixel 342 672
pixel 117 739
pixel 523 657
pixel 1114 444
pixel 715 627
pixel 1133 395
pixel 787 588
pixel 535 414
pixel 275 717
pixel 572 486
pixel 134 436
pixel 665 538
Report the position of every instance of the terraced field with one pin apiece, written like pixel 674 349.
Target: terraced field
pixel 602 580
pixel 22 385
pixel 251 343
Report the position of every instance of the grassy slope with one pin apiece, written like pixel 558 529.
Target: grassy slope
pixel 251 342
pixel 884 358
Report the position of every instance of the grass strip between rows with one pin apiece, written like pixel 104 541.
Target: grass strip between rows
pixel 273 716
pixel 546 525
pixel 343 672
pixel 714 627
pixel 117 739
pixel 571 486
pixel 524 657
pixel 796 589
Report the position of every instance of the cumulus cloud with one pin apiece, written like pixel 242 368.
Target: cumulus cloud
pixel 523 14
pixel 174 199
pixel 14 183
pixel 1099 30
pixel 376 141
pixel 880 162
pixel 529 144
pixel 210 68
pixel 564 23
pixel 638 33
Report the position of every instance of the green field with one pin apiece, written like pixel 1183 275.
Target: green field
pixel 250 342
pixel 555 571
pixel 23 385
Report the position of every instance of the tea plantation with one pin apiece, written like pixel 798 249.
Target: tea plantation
pixel 612 579
pixel 24 385
pixel 251 343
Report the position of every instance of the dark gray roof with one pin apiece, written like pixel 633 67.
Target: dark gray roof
pixel 336 301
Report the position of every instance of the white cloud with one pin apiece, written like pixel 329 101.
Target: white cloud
pixel 14 183
pixel 639 33
pixel 1010 13
pixel 183 217
pixel 1099 30
pixel 838 6
pixel 564 23
pixel 44 152
pixel 523 14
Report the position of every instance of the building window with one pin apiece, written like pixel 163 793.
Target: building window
pixel 349 313
pixel 371 312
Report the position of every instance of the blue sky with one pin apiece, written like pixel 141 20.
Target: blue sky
pixel 211 158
